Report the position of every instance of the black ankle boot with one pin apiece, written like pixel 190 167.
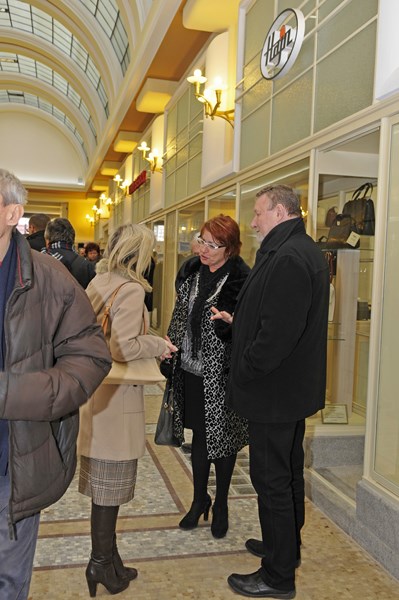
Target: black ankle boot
pixel 127 573
pixel 104 572
pixel 220 521
pixel 190 521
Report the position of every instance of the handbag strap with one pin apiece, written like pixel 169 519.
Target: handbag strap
pixel 107 310
pixel 363 192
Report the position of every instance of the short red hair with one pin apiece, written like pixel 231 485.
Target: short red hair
pixel 225 231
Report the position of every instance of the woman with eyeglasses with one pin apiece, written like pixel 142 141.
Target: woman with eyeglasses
pixel 199 370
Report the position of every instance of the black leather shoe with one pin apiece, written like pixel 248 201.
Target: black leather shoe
pixel 252 585
pixel 255 547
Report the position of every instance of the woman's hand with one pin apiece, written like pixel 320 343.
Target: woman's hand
pixel 170 349
pixel 221 314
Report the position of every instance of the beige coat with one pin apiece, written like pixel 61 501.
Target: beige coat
pixel 112 423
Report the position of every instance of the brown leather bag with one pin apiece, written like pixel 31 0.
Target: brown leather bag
pixel 361 209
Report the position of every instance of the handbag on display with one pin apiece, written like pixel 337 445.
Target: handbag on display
pixel 330 216
pixel 141 371
pixel 361 209
pixel 340 230
pixel 164 430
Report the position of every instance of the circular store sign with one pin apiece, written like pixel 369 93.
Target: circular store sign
pixel 282 44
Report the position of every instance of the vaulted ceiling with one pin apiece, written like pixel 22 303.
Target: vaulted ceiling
pixel 77 72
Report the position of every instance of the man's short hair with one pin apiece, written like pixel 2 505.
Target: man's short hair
pixel 282 194
pixel 39 221
pixel 60 230
pixel 11 189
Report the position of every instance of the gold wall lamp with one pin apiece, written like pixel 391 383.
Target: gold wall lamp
pixel 212 111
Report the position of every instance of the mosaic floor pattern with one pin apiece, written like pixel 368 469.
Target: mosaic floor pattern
pixel 192 565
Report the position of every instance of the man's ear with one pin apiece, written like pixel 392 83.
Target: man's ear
pixel 15 212
pixel 281 212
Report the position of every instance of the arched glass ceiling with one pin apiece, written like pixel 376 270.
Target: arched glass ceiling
pixel 22 16
pixel 16 63
pixel 18 97
pixel 109 18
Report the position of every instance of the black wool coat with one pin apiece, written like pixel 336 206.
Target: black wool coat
pixel 226 432
pixel 278 365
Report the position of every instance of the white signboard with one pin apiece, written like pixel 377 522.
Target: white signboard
pixel 282 44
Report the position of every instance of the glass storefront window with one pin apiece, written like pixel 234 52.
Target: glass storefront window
pixel 296 176
pixel 158 227
pixel 189 222
pixel 223 205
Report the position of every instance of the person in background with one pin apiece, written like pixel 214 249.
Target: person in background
pixel 92 252
pixel 112 429
pixel 60 240
pixel 198 372
pixel 36 227
pixel 46 373
pixel 277 379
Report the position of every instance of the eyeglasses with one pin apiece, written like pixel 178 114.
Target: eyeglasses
pixel 210 245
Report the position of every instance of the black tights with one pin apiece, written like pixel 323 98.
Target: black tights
pixel 201 464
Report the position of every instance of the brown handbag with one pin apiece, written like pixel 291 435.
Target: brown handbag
pixel 142 371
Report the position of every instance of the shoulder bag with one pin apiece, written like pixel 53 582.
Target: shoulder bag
pixel 141 371
pixel 164 431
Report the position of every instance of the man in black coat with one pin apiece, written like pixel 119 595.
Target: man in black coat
pixel 60 242
pixel 36 227
pixel 277 379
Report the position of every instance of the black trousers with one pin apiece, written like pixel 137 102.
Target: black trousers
pixel 276 469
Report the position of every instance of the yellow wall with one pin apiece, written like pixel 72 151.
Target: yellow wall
pixel 77 211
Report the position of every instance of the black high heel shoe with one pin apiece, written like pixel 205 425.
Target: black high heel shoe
pixel 190 521
pixel 220 521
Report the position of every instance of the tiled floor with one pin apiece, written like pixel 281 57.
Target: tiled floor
pixel 174 564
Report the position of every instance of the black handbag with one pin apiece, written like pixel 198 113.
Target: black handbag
pixel 164 431
pixel 361 209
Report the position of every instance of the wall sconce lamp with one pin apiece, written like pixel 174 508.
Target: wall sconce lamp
pixel 153 157
pixel 123 184
pixel 197 79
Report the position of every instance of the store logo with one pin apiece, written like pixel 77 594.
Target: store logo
pixel 282 44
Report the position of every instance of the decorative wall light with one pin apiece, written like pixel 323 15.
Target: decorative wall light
pixel 153 157
pixel 205 96
pixel 122 184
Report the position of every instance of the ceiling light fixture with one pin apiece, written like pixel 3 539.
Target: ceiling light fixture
pixel 211 110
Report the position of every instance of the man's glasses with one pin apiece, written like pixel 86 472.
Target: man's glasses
pixel 210 245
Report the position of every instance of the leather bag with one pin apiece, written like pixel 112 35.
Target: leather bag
pixel 164 430
pixel 340 230
pixel 142 371
pixel 361 209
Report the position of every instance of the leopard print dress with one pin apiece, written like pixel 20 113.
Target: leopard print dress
pixel 226 432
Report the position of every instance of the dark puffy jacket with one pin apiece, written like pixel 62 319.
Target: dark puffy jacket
pixel 56 356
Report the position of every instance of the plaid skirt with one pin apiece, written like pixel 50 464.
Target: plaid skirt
pixel 107 482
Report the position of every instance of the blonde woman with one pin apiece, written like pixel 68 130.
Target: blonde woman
pixel 112 425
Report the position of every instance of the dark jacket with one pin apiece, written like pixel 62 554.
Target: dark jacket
pixel 226 432
pixel 83 270
pixel 56 356
pixel 36 240
pixel 278 367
